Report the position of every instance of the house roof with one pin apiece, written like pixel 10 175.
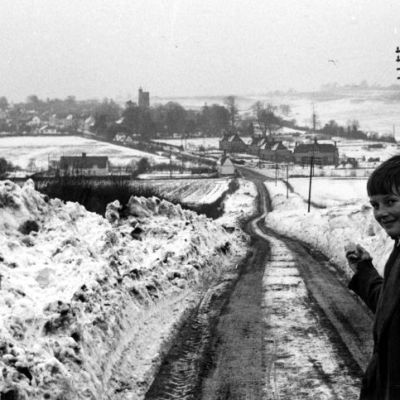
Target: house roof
pixel 259 141
pixel 266 146
pixel 83 162
pixel 278 146
pixel 226 161
pixel 90 119
pixel 273 146
pixel 232 138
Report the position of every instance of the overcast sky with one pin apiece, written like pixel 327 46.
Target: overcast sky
pixel 99 48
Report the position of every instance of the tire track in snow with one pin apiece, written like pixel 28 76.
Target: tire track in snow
pixel 287 345
pixel 334 313
pixel 305 360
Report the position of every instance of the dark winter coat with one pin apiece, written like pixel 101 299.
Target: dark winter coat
pixel 382 296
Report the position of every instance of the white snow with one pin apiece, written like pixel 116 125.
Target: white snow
pixel 331 191
pixel 89 303
pixel 79 291
pixel 301 345
pixel 203 191
pixel 329 229
pixel 25 150
pixel 369 107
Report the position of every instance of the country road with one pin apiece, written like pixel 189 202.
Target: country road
pixel 282 326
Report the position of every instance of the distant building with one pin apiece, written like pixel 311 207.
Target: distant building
pixel 256 143
pixel 275 151
pixel 89 124
pixel 323 153
pixel 48 130
pixel 143 99
pixel 84 165
pixel 232 144
pixel 268 148
pixel 35 121
pixel 225 166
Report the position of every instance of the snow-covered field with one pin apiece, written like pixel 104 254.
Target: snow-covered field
pixel 204 191
pixel 367 106
pixel 38 150
pixel 331 191
pixel 358 148
pixel 79 291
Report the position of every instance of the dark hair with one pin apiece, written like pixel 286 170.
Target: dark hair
pixel 385 179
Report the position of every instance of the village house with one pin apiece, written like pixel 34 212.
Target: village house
pixel 54 121
pixel 225 166
pixel 323 153
pixel 275 151
pixel 48 130
pixel 69 121
pixel 84 165
pixel 60 122
pixel 232 144
pixel 255 145
pixel 89 124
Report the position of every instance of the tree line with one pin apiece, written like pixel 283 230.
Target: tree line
pixel 165 120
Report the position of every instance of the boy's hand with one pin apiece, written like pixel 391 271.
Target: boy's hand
pixel 355 253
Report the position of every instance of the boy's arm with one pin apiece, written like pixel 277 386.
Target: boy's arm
pixel 367 283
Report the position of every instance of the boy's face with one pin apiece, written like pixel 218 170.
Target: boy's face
pixel 387 212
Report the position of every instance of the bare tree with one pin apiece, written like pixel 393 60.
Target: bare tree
pixel 266 117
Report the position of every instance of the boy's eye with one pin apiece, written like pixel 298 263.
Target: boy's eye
pixel 391 202
pixel 374 205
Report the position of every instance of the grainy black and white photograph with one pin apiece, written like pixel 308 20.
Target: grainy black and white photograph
pixel 200 200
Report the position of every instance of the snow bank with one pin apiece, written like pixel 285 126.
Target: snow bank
pixel 329 229
pixel 78 289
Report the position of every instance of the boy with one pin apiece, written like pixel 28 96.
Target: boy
pixel 382 295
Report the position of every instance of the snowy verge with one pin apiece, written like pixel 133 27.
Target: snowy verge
pixel 77 288
pixel 329 229
pixel 239 205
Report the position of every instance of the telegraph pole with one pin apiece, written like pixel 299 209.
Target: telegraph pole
pixel 311 174
pixel 287 180
pixel 170 166
pixel 314 120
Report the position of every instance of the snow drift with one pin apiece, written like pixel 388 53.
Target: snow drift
pixel 77 289
pixel 330 229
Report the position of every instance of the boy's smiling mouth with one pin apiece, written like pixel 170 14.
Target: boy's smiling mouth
pixel 387 221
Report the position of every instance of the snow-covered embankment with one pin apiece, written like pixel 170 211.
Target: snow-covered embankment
pixel 78 291
pixel 329 229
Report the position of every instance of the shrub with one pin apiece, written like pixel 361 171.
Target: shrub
pixel 95 196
